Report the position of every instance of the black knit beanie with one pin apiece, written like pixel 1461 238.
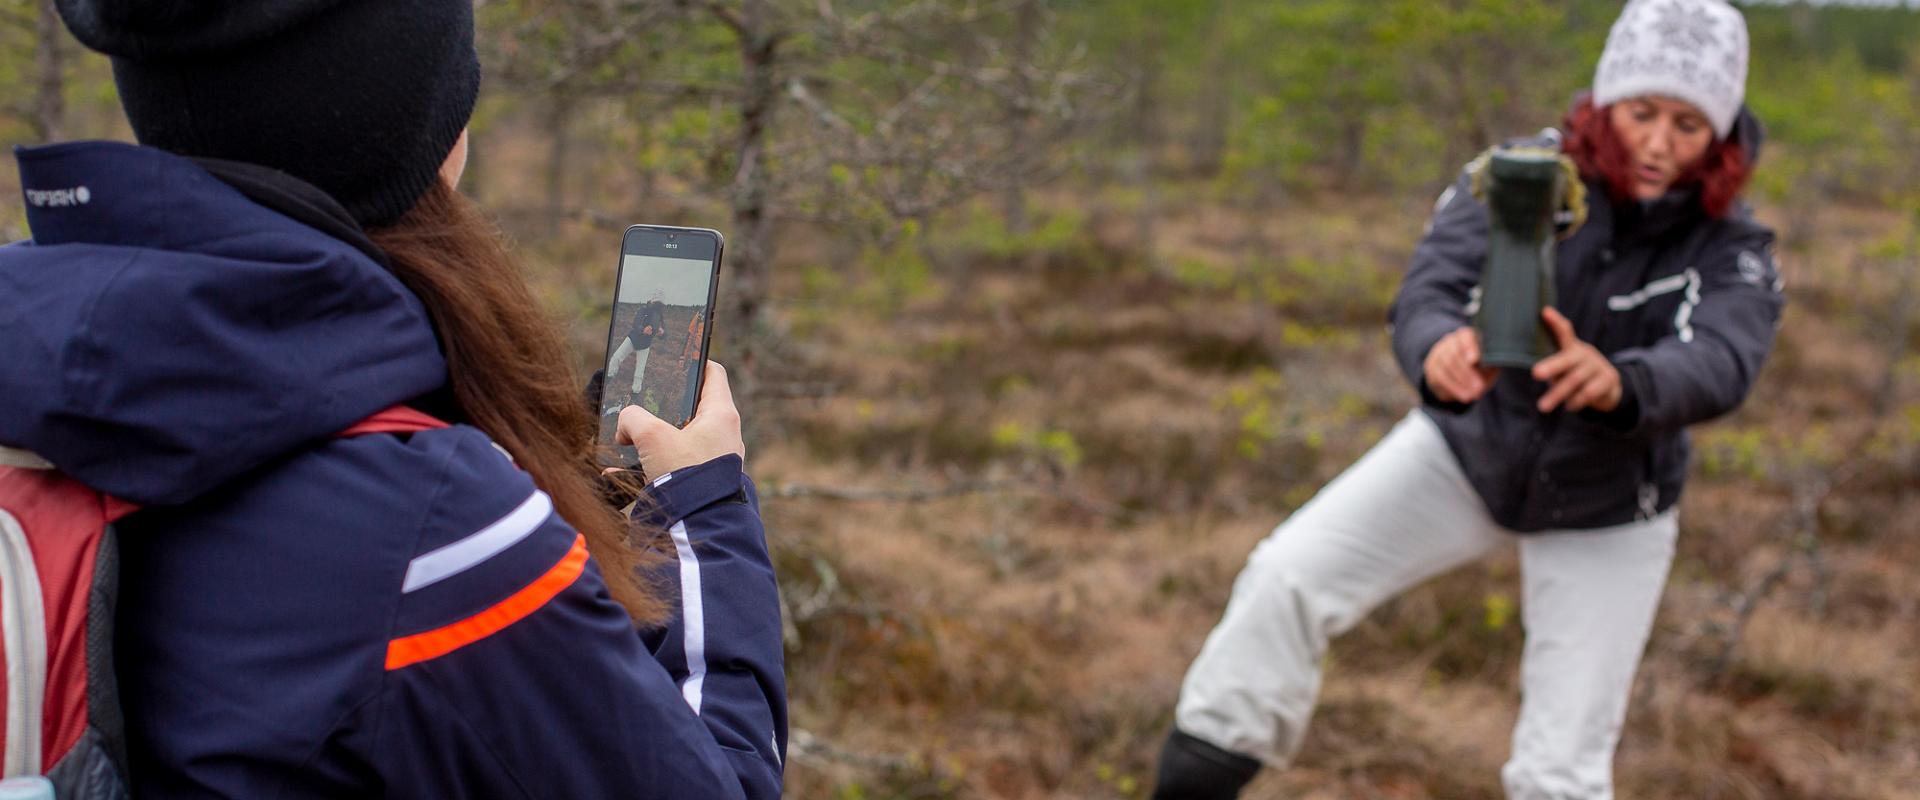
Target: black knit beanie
pixel 362 98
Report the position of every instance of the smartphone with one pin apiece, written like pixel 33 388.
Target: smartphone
pixel 656 357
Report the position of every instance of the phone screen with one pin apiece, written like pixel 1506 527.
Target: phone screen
pixel 662 308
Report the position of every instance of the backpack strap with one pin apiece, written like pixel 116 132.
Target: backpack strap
pixel 57 573
pixel 397 419
pixel 58 570
pixel 24 459
pixel 15 458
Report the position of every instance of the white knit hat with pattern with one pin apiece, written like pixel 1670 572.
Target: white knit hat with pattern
pixel 1691 50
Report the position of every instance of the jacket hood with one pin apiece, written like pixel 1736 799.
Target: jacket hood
pixel 162 334
pixel 1748 133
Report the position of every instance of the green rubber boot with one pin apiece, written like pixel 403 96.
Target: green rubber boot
pixel 1523 189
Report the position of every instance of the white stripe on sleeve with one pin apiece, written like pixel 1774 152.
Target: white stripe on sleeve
pixel 453 559
pixel 694 616
pixel 1640 296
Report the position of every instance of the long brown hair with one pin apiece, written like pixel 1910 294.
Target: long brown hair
pixel 510 375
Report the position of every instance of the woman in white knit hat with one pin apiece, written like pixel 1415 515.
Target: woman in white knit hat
pixel 1667 302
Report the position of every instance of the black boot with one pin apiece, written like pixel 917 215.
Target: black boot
pixel 1191 769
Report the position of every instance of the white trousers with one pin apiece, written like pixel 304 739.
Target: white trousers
pixel 1405 513
pixel 639 363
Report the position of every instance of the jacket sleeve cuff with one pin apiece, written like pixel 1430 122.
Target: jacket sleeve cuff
pixel 1624 417
pixel 1413 342
pixel 683 492
pixel 1433 401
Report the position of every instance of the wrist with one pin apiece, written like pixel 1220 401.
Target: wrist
pixel 1624 415
pixel 1611 401
pixel 678 494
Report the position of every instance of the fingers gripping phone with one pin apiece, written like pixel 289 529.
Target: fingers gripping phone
pixel 663 299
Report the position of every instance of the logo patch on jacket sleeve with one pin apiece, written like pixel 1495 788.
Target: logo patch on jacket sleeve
pixel 1757 269
pixel 58 198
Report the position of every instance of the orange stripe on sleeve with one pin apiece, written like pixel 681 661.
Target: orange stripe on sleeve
pixel 409 650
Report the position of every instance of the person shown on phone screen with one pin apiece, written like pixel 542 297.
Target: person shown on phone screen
pixel 690 353
pixel 447 609
pixel 649 323
pixel 1667 300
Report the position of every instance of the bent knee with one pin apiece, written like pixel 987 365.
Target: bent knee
pixel 1289 590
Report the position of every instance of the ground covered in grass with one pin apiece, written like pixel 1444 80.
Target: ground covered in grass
pixel 1009 479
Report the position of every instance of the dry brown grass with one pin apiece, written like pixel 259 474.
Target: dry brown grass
pixel 1030 644
pixel 1016 645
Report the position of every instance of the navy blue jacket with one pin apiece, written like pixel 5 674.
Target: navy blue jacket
pixel 385 615
pixel 1684 306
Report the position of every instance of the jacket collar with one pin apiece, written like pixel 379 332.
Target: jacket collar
pixel 1659 218
pixel 296 198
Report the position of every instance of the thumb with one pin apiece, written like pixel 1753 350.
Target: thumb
pixel 635 423
pixel 1561 328
pixel 716 394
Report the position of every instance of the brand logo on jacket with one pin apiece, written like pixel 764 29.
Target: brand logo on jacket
pixel 1757 269
pixel 58 198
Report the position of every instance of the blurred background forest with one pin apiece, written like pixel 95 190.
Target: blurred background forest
pixel 1046 310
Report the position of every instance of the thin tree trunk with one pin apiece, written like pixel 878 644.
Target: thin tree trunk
pixel 647 184
pixel 1470 118
pixel 1259 251
pixel 557 156
pixel 1013 197
pixel 751 254
pixel 1899 327
pixel 50 103
pixel 1803 20
pixel 1353 130
pixel 1141 166
pixel 1216 99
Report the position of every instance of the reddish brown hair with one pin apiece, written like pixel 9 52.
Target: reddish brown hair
pixel 1596 148
pixel 511 376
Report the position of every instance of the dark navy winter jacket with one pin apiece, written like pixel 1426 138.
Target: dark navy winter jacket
pixel 1683 305
pixel 386 615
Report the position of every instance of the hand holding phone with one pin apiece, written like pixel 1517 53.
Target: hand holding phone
pixel 713 432
pixel 658 338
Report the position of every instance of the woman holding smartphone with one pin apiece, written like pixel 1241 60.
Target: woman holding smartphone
pixel 447 612
pixel 649 323
pixel 1667 300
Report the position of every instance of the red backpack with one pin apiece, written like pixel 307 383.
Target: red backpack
pixel 59 575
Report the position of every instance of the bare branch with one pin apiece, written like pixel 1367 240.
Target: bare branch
pixel 908 495
pixel 728 17
pixel 1802 533
pixel 797 89
pixel 964 488
pixel 807 747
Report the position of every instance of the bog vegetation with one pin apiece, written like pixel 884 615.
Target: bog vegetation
pixel 1049 309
